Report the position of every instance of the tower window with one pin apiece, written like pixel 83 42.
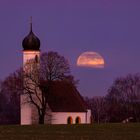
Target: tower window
pixel 36 59
pixel 69 120
pixel 78 120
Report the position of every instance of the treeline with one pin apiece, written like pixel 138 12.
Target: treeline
pixel 9 103
pixel 121 104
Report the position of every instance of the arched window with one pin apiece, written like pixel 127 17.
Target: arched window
pixel 78 120
pixel 69 120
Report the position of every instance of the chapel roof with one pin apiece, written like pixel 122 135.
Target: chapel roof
pixel 65 98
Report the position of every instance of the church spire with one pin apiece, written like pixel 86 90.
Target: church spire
pixel 31 24
pixel 31 41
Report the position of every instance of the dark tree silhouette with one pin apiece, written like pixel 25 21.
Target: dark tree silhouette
pixel 98 107
pixel 9 101
pixel 124 98
pixel 38 79
pixel 33 83
pixel 53 66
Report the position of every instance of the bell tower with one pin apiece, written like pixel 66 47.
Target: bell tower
pixel 31 50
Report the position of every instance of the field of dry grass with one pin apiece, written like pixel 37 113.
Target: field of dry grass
pixel 71 132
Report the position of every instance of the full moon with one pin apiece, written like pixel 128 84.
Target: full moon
pixel 90 59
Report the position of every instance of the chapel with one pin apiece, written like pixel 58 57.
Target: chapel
pixel 65 104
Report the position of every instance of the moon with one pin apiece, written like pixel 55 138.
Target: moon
pixel 90 59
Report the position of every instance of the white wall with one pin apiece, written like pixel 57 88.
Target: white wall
pixel 27 55
pixel 88 116
pixel 25 114
pixel 61 117
pixel 26 109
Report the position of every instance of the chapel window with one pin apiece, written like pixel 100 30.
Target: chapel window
pixel 78 120
pixel 36 59
pixel 69 120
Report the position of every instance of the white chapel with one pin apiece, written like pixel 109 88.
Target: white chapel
pixel 66 105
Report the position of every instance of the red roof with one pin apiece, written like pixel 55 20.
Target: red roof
pixel 64 97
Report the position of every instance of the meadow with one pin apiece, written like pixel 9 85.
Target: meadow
pixel 114 131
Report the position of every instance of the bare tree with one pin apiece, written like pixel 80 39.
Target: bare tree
pixel 124 98
pixel 10 101
pixel 98 107
pixel 33 82
pixel 39 77
pixel 53 66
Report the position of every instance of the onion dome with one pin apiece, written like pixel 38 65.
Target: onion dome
pixel 31 42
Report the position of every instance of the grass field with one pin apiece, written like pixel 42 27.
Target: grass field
pixel 71 132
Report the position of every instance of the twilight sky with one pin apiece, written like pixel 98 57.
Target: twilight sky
pixel 71 27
